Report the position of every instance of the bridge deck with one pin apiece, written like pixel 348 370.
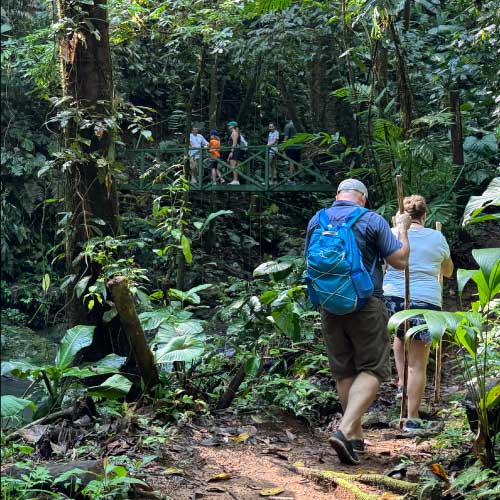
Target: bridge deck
pixel 154 168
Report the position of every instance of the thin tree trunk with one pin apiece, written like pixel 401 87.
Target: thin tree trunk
pixel 124 303
pixel 404 88
pixel 407 15
pixel 213 102
pixel 290 104
pixel 456 129
pixel 195 89
pixel 249 94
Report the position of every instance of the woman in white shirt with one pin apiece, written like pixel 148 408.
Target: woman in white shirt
pixel 429 256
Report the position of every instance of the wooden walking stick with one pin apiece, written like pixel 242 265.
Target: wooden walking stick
pixel 404 399
pixel 439 348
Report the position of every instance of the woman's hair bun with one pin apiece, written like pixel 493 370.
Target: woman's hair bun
pixel 415 206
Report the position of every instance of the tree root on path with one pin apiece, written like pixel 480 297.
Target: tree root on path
pixel 346 481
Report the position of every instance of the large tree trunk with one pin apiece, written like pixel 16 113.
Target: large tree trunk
pixel 87 83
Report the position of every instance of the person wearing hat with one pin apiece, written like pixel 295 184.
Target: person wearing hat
pixel 235 154
pixel 214 150
pixel 357 344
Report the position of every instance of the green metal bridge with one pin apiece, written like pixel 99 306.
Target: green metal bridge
pixel 153 169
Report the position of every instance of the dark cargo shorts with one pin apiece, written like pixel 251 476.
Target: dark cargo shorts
pixel 358 342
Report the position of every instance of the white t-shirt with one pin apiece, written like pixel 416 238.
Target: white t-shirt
pixel 428 249
pixel 273 136
pixel 196 141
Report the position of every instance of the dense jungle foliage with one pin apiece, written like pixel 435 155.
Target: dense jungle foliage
pixel 94 191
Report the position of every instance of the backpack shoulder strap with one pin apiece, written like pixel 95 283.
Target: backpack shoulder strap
pixel 323 219
pixel 353 217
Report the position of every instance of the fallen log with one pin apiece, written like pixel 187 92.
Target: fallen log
pixel 347 481
pixel 13 436
pixel 124 303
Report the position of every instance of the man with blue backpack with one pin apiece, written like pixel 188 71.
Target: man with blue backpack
pixel 346 246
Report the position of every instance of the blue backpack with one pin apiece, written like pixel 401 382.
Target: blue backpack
pixel 335 275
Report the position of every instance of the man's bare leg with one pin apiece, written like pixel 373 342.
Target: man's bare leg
pixel 343 388
pixel 361 394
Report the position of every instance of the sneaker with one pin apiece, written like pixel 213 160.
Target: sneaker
pixel 413 426
pixel 344 448
pixel 399 393
pixel 234 183
pixel 221 180
pixel 358 445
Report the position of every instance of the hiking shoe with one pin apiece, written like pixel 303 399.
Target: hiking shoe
pixel 221 180
pixel 343 448
pixel 358 445
pixel 413 426
pixel 399 394
pixel 234 183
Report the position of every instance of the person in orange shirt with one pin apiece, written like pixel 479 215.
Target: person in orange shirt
pixel 214 150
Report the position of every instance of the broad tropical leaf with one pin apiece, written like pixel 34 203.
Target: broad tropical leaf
pixel 19 369
pixel 186 348
pixel 12 406
pixel 278 270
pixel 114 387
pixel 75 340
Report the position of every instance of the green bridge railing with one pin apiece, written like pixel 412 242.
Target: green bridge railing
pixel 154 168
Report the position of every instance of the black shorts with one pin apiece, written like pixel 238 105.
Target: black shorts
pixel 238 155
pixel 396 304
pixel 213 163
pixel 293 154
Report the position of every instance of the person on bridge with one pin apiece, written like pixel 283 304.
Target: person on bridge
pixel 214 150
pixel 272 143
pixel 292 152
pixel 358 344
pixel 429 256
pixel 196 143
pixel 236 154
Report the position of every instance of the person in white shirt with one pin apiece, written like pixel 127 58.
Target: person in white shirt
pixel 272 143
pixel 196 142
pixel 429 257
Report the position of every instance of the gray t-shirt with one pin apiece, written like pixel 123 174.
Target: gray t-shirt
pixel 428 250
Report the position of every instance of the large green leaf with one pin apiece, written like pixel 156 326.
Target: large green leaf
pixel 277 270
pixel 75 340
pixel 186 249
pixel 167 331
pixel 463 277
pixel 286 319
pixel 114 387
pixel 109 364
pixel 476 204
pixel 12 406
pixel 466 338
pixel 492 397
pixel 213 216
pixel 19 369
pixel 185 348
pixel 488 260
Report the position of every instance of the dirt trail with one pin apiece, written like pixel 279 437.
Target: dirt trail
pixel 267 444
pixel 255 450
